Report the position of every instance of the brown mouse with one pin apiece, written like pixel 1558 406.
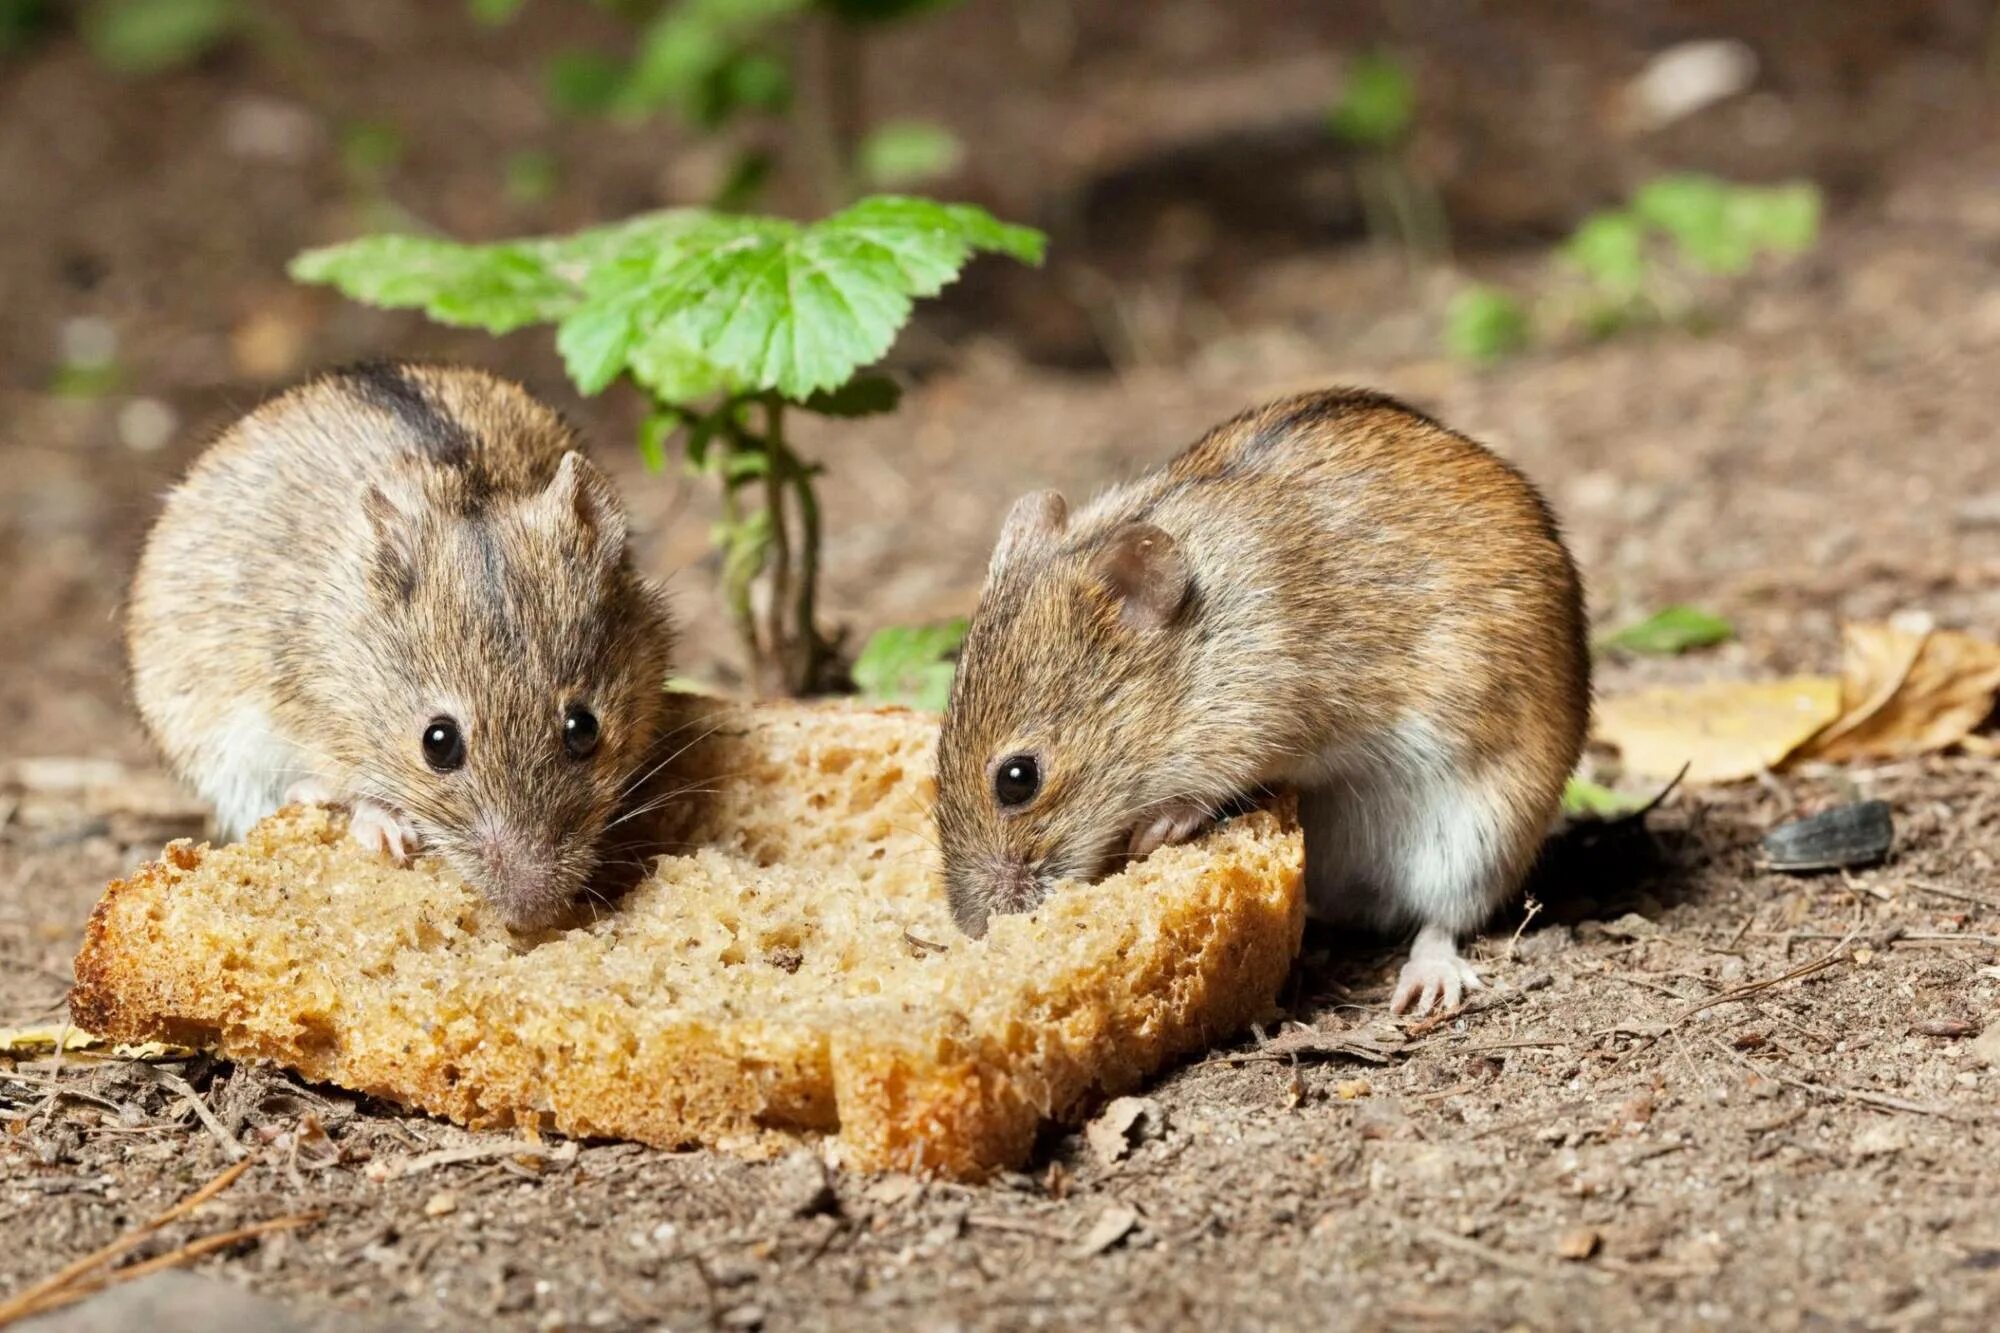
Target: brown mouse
pixel 405 589
pixel 1333 593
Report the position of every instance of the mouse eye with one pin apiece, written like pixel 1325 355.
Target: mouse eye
pixel 444 745
pixel 1017 780
pixel 579 731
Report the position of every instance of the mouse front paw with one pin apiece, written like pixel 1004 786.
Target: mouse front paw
pixel 310 791
pixel 1168 824
pixel 380 829
pixel 1434 976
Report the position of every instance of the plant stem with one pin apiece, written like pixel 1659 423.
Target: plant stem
pixel 735 583
pixel 812 647
pixel 780 639
pixel 832 53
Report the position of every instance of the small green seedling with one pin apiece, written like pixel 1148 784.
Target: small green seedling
pixel 1591 800
pixel 908 153
pixel 1636 260
pixel 150 36
pixel 729 324
pixel 1375 115
pixel 910 665
pixel 1485 323
pixel 1672 630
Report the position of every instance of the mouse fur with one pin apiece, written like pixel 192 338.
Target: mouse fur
pixel 1333 593
pixel 380 547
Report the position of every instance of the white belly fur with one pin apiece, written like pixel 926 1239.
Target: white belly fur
pixel 244 770
pixel 1399 833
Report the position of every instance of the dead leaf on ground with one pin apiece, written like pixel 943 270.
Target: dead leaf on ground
pixel 1721 732
pixel 1113 1225
pixel 1126 1121
pixel 1376 1045
pixel 1907 689
pixel 46 1038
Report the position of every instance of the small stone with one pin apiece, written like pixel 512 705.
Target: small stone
pixel 442 1204
pixel 1579 1243
pixel 146 424
pixel 1353 1089
pixel 1126 1121
pixel 801 1186
pixel 1985 1048
pixel 1112 1226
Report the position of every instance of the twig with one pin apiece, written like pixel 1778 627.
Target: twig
pixel 25 1301
pixel 231 1149
pixel 194 1249
pixel 1532 908
pixel 472 1152
pixel 1749 989
pixel 1512 1263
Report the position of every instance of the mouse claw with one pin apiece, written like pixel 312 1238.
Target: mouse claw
pixel 383 830
pixel 1435 977
pixel 1174 823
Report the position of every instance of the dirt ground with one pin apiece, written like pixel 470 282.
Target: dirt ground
pixel 1697 1094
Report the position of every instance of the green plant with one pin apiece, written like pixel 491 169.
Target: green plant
pixel 148 36
pixel 910 665
pixel 1485 323
pixel 711 63
pixel 1671 630
pixel 729 324
pixel 1581 796
pixel 1375 115
pixel 1636 261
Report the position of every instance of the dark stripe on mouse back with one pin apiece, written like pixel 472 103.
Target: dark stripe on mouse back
pixel 390 388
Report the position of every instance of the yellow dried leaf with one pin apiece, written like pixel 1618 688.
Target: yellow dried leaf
pixel 1723 731
pixel 44 1039
pixel 1907 692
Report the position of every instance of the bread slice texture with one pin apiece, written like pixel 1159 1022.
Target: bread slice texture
pixel 790 970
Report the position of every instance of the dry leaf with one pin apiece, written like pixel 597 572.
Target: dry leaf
pixel 1114 1225
pixel 1721 732
pixel 1907 691
pixel 1115 1129
pixel 45 1038
pixel 1579 1243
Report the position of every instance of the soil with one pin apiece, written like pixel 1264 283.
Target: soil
pixel 1696 1092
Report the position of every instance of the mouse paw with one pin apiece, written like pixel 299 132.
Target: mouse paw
pixel 1173 823
pixel 310 791
pixel 381 829
pixel 1434 976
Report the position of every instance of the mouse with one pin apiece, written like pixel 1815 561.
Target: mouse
pixel 1333 594
pixel 405 589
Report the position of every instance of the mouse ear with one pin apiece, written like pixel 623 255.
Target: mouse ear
pixel 580 496
pixel 394 567
pixel 1144 570
pixel 1035 518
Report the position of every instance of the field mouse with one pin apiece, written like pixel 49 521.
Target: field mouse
pixel 1333 593
pixel 404 589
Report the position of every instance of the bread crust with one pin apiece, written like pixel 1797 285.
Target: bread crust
pixel 793 973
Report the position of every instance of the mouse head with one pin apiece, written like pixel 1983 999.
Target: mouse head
pixel 1060 731
pixel 514 667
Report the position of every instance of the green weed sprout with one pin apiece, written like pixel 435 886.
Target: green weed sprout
pixel 1374 115
pixel 728 324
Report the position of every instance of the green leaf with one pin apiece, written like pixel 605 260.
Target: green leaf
pixel 1695 212
pixel 584 83
pixel 1484 324
pixel 692 303
pixel 908 152
pixel 654 432
pixel 1610 248
pixel 497 288
pixel 1782 220
pixel 698 58
pixel 148 36
pixel 862 396
pixel 495 13
pixel 1674 629
pixel 910 664
pixel 532 176
pixel 744 547
pixel 1376 105
pixel 1584 797
pixel 22 22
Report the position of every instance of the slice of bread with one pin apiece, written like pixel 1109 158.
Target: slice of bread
pixel 791 971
